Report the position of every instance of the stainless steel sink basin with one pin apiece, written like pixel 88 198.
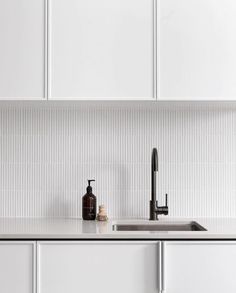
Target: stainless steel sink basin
pixel 168 226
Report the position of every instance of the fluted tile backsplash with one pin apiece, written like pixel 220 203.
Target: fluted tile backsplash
pixel 49 150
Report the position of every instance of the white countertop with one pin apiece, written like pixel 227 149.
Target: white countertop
pixel 35 228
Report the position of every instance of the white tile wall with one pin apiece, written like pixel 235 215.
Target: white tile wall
pixel 49 150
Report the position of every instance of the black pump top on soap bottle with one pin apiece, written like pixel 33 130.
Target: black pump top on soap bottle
pixel 89 187
pixel 89 204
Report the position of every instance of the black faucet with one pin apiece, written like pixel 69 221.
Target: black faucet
pixel 155 210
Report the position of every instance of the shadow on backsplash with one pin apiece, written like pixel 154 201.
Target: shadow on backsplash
pixel 59 207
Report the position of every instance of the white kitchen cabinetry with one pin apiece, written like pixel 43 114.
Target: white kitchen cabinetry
pixel 22 49
pixel 205 267
pixel 106 266
pixel 17 267
pixel 102 49
pixel 196 50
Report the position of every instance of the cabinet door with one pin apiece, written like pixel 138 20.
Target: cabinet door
pixel 17 267
pixel 206 267
pixel 101 49
pixel 98 267
pixel 197 45
pixel 22 49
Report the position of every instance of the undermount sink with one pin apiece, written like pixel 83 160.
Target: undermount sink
pixel 168 226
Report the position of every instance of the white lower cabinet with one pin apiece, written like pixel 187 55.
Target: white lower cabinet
pixel 101 266
pixel 199 267
pixel 17 267
pixel 117 266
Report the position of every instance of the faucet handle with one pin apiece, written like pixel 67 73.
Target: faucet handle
pixel 166 200
pixel 163 210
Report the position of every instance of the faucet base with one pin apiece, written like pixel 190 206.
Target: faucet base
pixel 153 211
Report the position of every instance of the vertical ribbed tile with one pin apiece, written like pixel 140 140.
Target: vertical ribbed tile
pixel 47 153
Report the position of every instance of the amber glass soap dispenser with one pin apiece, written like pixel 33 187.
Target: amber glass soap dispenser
pixel 89 204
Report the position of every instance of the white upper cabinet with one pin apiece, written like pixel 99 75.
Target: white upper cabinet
pixel 17 267
pixel 197 49
pixel 118 49
pixel 101 49
pixel 22 49
pixel 98 266
pixel 199 267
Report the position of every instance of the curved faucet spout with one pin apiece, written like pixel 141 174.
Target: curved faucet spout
pixel 154 160
pixel 155 210
pixel 154 174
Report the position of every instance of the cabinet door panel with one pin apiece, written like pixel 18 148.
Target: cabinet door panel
pixel 197 42
pixel 22 49
pixel 17 267
pixel 98 267
pixel 101 49
pixel 206 267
